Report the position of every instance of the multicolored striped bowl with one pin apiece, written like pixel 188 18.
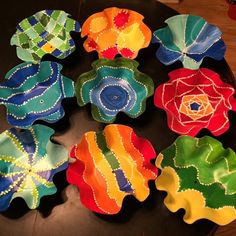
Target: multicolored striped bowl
pixel 111 165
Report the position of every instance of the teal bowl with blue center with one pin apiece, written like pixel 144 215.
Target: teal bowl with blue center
pixel 114 86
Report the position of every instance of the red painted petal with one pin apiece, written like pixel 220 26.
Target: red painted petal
pixel 202 122
pixel 126 52
pixel 178 127
pixel 92 44
pixel 219 124
pixel 161 97
pixel 110 53
pixel 121 19
pixel 182 73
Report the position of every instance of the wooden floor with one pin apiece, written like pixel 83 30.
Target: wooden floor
pixel 215 12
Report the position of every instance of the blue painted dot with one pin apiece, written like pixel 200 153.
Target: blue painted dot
pixel 114 97
pixel 194 106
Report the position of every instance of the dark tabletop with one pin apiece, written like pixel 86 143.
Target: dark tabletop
pixel 63 213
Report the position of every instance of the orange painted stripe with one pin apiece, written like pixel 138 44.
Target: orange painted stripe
pixel 147 34
pixel 94 178
pixel 101 164
pixel 128 165
pixel 134 153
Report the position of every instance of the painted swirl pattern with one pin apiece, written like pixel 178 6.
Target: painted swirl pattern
pixel 28 162
pixel 45 32
pixel 111 165
pixel 199 169
pixel 34 92
pixel 114 86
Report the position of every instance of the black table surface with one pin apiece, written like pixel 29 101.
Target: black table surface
pixel 63 213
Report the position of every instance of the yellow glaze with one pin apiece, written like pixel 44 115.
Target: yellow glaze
pixel 127 164
pixel 48 48
pixel 191 200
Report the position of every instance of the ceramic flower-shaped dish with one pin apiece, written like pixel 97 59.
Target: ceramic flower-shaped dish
pixel 114 86
pixel 111 165
pixel 115 31
pixel 196 99
pixel 199 176
pixel 34 92
pixel 47 31
pixel 28 162
pixel 189 39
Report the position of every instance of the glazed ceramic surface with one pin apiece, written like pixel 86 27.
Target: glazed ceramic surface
pixel 189 39
pixel 114 86
pixel 115 31
pixel 196 99
pixel 111 165
pixel 47 31
pixel 28 162
pixel 34 92
pixel 199 176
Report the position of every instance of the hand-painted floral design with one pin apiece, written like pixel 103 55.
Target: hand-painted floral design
pixel 115 31
pixel 114 86
pixel 47 31
pixel 199 169
pixel 34 92
pixel 111 165
pixel 196 99
pixel 28 162
pixel 189 39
